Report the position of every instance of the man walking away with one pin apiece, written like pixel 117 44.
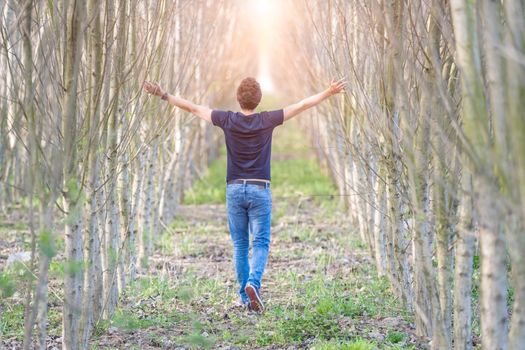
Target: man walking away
pixel 248 137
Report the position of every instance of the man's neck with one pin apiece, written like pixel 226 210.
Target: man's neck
pixel 247 112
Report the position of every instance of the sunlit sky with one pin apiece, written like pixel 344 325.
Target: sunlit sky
pixel 266 15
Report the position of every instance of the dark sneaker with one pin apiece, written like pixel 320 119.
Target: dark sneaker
pixel 256 303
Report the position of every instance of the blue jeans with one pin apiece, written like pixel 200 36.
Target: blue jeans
pixel 249 211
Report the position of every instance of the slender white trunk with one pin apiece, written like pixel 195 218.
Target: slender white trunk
pixel 493 286
pixel 73 272
pixel 465 246
pixel 380 228
pixel 147 222
pixel 91 304
pixel 46 254
pixel 515 78
pixel 125 214
pixel 516 249
pixel 135 215
pixel 73 278
pixel 93 275
pixel 112 243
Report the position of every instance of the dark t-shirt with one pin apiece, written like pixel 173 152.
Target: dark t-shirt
pixel 248 141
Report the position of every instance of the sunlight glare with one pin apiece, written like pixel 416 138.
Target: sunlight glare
pixel 267 8
pixel 264 7
pixel 268 13
pixel 265 80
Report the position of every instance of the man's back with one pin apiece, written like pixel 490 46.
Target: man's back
pixel 248 141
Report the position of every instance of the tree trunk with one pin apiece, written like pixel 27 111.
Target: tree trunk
pixel 492 243
pixel 380 228
pixel 515 78
pixel 91 304
pixel 146 243
pixel 72 201
pixel 47 251
pixel 493 286
pixel 516 248
pixel 28 110
pixel 135 215
pixel 465 246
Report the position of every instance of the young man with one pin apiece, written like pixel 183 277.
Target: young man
pixel 248 137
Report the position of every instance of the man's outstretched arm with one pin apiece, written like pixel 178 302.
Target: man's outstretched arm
pixel 301 106
pixel 200 111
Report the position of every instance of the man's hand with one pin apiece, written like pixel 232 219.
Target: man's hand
pixel 337 86
pixel 153 88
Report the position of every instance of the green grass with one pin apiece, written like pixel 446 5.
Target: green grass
pixel 318 305
pixel 13 279
pixel 12 322
pixel 352 345
pixel 314 310
pixel 395 337
pixel 129 321
pixel 301 178
pixel 212 187
pixel 150 302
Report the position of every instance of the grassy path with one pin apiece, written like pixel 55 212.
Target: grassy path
pixel 320 288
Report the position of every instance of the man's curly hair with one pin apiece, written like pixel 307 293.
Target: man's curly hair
pixel 249 93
